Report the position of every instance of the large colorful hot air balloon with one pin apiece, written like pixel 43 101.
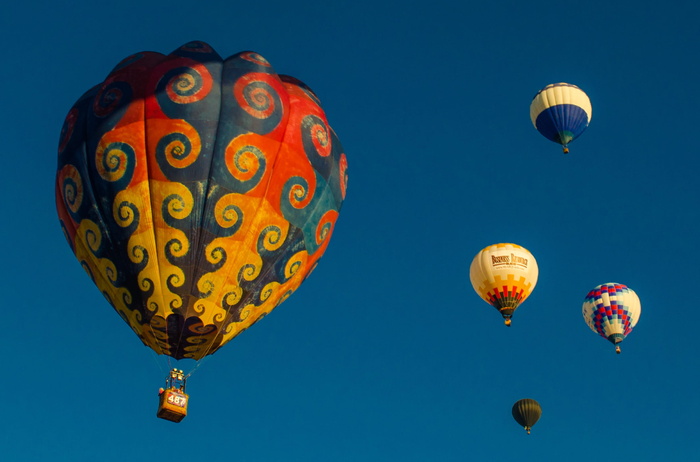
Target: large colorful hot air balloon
pixel 504 275
pixel 527 412
pixel 612 310
pixel 561 112
pixel 198 192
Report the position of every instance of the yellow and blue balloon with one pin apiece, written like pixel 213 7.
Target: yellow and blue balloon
pixel 561 112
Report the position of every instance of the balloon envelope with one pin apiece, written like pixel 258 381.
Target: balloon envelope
pixel 504 275
pixel 198 192
pixel 561 112
pixel 612 310
pixel 527 412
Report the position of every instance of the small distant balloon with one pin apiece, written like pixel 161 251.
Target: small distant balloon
pixel 561 112
pixel 504 275
pixel 527 412
pixel 612 310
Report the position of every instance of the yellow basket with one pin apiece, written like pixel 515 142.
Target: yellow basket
pixel 173 405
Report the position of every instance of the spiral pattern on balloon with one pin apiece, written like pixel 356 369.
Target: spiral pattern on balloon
pixel 72 187
pixel 176 248
pixel 113 160
pixel 176 206
pixel 228 214
pixel 270 239
pixel 294 264
pixel 111 96
pixel 177 150
pixel 175 280
pixel 325 226
pixel 232 298
pixel 248 272
pixel 67 129
pixel 205 288
pixel 315 129
pixel 187 85
pixel 138 254
pixel 297 189
pixel 245 163
pixel 216 256
pixel 256 96
pixel 109 270
pixel 201 329
pixel 268 290
pixel 146 285
pixel 254 57
pixel 125 214
pixel 92 235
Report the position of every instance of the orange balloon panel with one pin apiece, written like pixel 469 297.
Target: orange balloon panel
pixel 197 192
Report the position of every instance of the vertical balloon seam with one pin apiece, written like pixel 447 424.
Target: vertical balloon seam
pixel 251 236
pixel 248 239
pixel 162 344
pixel 108 288
pixel 196 246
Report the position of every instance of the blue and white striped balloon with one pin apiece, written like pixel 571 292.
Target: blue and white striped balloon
pixel 561 112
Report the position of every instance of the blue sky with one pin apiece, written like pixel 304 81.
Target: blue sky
pixel 386 353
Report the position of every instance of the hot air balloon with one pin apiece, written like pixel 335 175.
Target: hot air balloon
pixel 612 310
pixel 198 193
pixel 527 412
pixel 504 275
pixel 561 112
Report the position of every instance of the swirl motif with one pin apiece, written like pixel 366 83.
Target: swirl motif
pixel 91 235
pixel 72 187
pixel 248 272
pixel 125 213
pixel 254 57
pixel 268 290
pixel 256 96
pixel 232 298
pixel 176 206
pixel 176 149
pixel 246 163
pixel 205 287
pixel 325 226
pixel 294 264
pixel 112 96
pixel 228 214
pixel 297 192
pixel 315 133
pixel 113 160
pixel 176 248
pixel 270 239
pixel 187 85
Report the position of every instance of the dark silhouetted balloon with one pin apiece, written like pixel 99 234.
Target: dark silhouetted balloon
pixel 527 412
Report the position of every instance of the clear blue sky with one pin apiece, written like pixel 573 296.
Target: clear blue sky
pixel 386 353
